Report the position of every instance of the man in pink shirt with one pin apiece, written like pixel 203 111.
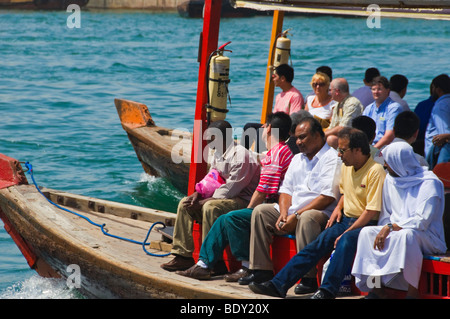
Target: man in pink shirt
pixel 289 100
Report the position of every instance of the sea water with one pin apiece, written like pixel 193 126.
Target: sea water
pixel 58 85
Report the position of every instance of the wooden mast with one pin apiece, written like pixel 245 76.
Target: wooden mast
pixel 208 43
pixel 277 26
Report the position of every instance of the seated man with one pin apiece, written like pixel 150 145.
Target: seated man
pixel 367 125
pixel 399 85
pixel 410 226
pixel 383 111
pixel 361 187
pixel 308 195
pixel 423 110
pixel 437 135
pixel 344 112
pixel 406 129
pixel 234 228
pixel 241 173
pixel 289 101
pixel 364 93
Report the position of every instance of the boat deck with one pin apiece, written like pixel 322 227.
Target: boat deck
pixel 106 262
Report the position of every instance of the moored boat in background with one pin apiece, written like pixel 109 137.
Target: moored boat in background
pixel 41 4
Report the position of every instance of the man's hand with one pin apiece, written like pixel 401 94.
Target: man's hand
pixel 381 238
pixel 336 216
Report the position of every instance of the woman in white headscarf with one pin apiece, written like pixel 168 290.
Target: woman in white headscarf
pixel 409 227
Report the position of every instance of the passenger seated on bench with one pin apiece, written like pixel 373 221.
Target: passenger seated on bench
pixel 361 187
pixel 241 173
pixel 289 101
pixel 437 135
pixel 233 229
pixel 308 195
pixel 410 226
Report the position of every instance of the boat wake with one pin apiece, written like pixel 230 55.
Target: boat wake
pixel 37 287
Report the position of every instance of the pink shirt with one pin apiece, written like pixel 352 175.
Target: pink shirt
pixel 288 102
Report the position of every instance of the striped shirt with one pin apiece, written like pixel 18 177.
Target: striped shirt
pixel 274 166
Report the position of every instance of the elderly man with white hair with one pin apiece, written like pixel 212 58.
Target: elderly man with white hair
pixel 410 226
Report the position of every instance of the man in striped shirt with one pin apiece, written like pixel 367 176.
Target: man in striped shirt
pixel 308 195
pixel 233 229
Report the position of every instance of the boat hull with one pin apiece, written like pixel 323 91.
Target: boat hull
pixel 41 4
pixel 162 152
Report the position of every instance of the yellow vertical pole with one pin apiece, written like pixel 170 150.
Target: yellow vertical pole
pixel 277 26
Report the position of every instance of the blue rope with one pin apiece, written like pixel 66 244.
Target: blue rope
pixel 101 226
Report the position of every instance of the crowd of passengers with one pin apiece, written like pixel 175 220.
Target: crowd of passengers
pixel 347 174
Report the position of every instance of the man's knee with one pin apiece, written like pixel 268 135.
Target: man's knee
pixel 312 218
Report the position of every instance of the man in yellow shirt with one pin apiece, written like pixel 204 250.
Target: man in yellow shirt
pixel 360 204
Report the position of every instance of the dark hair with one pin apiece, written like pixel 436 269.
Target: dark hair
pixel 381 80
pixel 327 70
pixel 285 70
pixel 282 122
pixel 398 82
pixel 225 128
pixel 296 117
pixel 443 82
pixel 406 124
pixel 365 124
pixel 370 74
pixel 357 139
pixel 314 124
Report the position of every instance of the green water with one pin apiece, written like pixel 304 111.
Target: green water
pixel 57 90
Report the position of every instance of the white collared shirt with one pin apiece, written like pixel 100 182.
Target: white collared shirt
pixel 307 179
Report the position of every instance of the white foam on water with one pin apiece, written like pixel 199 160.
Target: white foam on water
pixel 37 287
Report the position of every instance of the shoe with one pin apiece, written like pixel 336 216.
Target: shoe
pixel 322 294
pixel 219 269
pixel 306 286
pixel 179 263
pixel 234 277
pixel 265 288
pixel 257 276
pixel 195 272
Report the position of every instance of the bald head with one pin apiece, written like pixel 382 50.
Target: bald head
pixel 339 89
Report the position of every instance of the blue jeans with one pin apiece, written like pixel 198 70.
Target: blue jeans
pixel 309 256
pixel 231 229
pixel 438 154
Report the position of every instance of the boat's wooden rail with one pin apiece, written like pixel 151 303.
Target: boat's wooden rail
pixel 84 203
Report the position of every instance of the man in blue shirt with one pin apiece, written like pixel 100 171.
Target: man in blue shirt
pixel 437 135
pixel 423 111
pixel 383 111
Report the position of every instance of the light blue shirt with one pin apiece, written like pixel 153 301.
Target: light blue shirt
pixel 439 122
pixel 384 116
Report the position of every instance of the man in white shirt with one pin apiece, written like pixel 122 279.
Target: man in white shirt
pixel 308 196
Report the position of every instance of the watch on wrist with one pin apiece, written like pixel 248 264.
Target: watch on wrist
pixel 391 228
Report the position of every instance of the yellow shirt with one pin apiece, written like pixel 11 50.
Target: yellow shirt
pixel 362 189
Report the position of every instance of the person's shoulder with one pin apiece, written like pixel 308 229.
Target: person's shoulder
pixel 376 168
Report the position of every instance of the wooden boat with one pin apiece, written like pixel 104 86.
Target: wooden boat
pixel 40 4
pixel 433 9
pixel 161 151
pixel 53 237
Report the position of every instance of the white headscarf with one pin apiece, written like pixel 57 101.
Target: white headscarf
pixel 402 160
